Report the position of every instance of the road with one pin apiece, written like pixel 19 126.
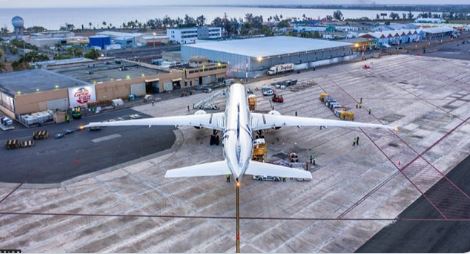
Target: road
pixel 428 236
pixel 83 152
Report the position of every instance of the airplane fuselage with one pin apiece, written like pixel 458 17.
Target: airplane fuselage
pixel 237 134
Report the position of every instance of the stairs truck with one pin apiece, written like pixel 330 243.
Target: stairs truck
pixel 280 68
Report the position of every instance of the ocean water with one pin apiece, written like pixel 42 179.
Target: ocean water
pixel 53 18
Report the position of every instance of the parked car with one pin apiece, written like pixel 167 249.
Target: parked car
pixel 68 131
pixel 267 91
pixel 207 90
pixel 278 98
pixel 59 135
pixel 95 128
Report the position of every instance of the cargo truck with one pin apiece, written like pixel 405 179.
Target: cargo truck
pixel 252 102
pixel 280 68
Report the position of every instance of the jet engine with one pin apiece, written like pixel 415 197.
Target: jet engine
pixel 274 112
pixel 277 113
pixel 199 112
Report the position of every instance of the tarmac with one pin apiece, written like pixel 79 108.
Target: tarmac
pixel 53 161
pixel 354 194
pixel 428 236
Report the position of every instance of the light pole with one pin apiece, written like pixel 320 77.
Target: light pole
pixel 154 38
pixel 237 216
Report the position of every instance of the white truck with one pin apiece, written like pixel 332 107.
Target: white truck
pixel 281 68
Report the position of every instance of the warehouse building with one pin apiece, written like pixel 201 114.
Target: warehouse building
pixel 252 57
pixel 79 83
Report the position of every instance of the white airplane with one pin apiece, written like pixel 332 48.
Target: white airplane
pixel 237 124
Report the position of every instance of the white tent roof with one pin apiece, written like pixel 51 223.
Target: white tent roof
pixel 268 46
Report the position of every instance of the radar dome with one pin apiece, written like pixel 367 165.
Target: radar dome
pixel 17 22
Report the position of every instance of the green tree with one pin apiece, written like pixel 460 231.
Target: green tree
pixel 188 21
pixel 4 30
pixel 34 56
pixel 394 15
pixel 201 20
pixel 36 29
pixel 284 23
pixel 338 15
pixel 93 54
pixel 22 44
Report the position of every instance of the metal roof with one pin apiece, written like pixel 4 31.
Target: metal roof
pixel 437 30
pixel 268 46
pixel 36 80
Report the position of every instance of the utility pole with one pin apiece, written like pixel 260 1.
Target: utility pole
pixel 237 216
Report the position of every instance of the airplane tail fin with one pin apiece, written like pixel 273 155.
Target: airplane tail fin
pixel 267 169
pixel 207 169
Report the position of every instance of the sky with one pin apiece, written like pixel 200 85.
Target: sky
pixel 92 3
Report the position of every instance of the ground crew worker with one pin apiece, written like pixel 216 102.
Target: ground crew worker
pixel 370 111
pixel 357 140
pixel 228 178
pixel 188 108
pixel 295 113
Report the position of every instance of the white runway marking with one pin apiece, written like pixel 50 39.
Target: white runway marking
pixel 106 138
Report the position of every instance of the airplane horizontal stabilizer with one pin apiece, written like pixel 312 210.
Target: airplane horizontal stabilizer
pixel 267 169
pixel 207 169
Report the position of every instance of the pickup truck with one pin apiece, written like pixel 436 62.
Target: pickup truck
pixel 267 91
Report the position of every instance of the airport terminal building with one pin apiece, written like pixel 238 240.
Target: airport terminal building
pixel 250 58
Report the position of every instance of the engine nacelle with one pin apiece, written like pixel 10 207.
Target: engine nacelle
pixel 274 112
pixel 199 112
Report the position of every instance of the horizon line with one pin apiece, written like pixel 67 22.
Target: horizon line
pixel 314 6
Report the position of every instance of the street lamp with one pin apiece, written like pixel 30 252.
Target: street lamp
pixel 154 38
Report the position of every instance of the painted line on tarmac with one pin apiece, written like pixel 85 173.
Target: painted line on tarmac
pixel 106 138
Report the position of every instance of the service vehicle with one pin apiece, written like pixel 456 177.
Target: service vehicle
pixel 41 134
pixel 267 91
pixel 281 68
pixel 59 135
pixel 278 98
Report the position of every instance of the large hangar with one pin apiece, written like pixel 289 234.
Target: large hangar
pixel 252 57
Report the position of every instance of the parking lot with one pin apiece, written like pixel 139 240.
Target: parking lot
pixel 355 192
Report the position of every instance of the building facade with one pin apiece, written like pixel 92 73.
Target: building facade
pixel 192 34
pixel 63 86
pixel 249 58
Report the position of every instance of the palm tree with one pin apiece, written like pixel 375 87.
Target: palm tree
pixel 90 24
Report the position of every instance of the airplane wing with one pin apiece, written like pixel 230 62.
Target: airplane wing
pixel 211 121
pixel 266 169
pixel 268 121
pixel 207 169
